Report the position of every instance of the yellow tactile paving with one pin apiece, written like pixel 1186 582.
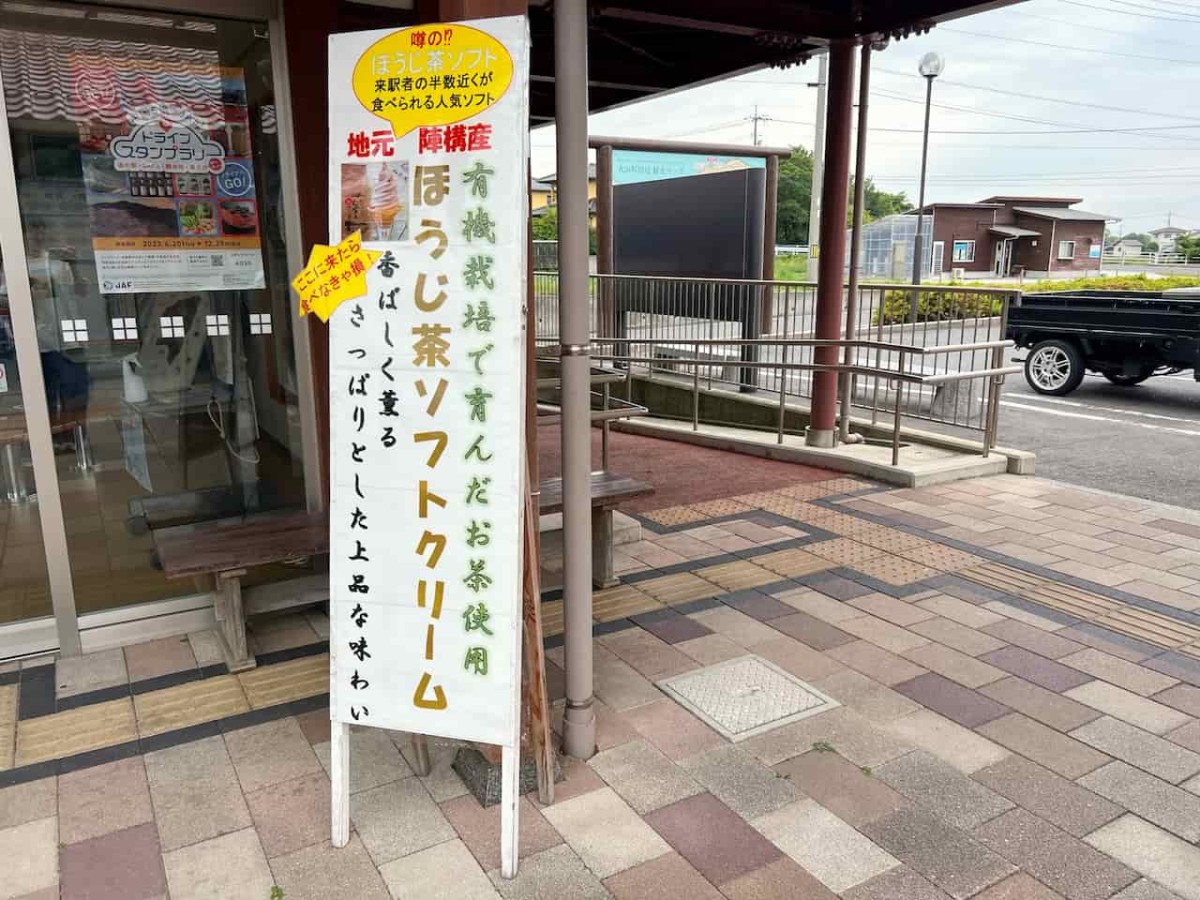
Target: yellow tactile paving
pixel 792 563
pixel 291 680
pixel 190 704
pixel 1058 596
pixel 8 744
pixel 676 589
pixel 944 559
pixel 713 509
pixel 1151 626
pixel 8 704
pixel 844 551
pixel 75 731
pixel 620 602
pixel 894 570
pixel 552 618
pixel 675 515
pixel 737 576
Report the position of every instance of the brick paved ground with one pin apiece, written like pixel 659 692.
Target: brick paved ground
pixel 1019 684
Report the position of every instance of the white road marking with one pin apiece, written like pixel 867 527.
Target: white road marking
pixel 1115 409
pixel 1074 415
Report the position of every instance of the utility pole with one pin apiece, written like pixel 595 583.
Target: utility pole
pixel 818 172
pixel 756 118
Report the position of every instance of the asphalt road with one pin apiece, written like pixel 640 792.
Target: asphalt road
pixel 1143 441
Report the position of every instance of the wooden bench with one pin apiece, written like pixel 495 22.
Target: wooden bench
pixel 608 490
pixel 228 548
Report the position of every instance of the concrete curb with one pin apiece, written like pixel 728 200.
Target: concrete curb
pixel 936 472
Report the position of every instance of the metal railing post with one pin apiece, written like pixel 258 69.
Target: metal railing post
pixel 899 399
pixel 604 429
pixel 696 390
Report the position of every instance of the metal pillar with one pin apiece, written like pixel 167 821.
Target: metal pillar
pixel 918 248
pixel 860 185
pixel 570 113
pixel 818 170
pixel 832 239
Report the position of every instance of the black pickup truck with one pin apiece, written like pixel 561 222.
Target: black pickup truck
pixel 1126 336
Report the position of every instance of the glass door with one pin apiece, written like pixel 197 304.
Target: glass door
pixel 148 177
pixel 24 584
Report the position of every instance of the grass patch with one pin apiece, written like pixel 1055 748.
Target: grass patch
pixel 791 268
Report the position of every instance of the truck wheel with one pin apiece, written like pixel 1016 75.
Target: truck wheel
pixel 1054 367
pixel 1128 380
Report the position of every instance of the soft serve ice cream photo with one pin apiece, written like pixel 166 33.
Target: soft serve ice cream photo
pixel 374 200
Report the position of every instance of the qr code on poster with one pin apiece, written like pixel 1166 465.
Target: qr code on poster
pixel 218 262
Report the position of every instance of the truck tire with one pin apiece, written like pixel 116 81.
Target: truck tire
pixel 1122 380
pixel 1054 367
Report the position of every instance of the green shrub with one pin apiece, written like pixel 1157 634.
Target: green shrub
pixel 934 305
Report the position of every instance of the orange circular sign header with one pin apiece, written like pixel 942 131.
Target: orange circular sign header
pixel 432 75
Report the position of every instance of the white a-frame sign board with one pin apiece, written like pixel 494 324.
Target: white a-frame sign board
pixel 428 151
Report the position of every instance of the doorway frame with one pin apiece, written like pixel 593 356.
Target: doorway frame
pixel 64 631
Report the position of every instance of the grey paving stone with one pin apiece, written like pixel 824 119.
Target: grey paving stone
pixel 900 883
pixel 948 857
pixel 608 836
pixel 954 634
pixel 740 781
pixel 852 735
pixel 1038 640
pixel 1060 802
pixel 556 873
pixel 1138 748
pixel 643 776
pixel 841 787
pixel 1165 805
pixel 942 789
pixel 865 696
pixel 1183 697
pixel 1049 708
pixel 1018 887
pixel 1158 855
pixel 1110 642
pixel 875 662
pixel 962 705
pixel 810 630
pixel 1041 671
pixel 1145 890
pixel 1177 665
pixel 1050 748
pixel 1120 672
pixel 964 749
pixel 955 665
pixel 1054 857
pixel 397 819
pixel 1187 736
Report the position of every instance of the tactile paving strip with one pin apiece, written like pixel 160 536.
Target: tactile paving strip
pixel 746 696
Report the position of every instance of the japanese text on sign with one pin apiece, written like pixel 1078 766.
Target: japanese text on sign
pixel 426 404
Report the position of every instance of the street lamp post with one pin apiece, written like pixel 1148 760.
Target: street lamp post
pixel 930 68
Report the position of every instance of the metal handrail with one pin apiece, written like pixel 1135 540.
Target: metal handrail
pixel 901 375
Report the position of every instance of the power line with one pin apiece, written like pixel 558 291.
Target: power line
pixel 1080 103
pixel 1011 132
pixel 1123 34
pixel 1136 15
pixel 999 37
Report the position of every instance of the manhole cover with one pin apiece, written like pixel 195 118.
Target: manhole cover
pixel 746 696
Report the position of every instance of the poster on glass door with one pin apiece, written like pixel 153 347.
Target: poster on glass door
pixel 170 186
pixel 428 130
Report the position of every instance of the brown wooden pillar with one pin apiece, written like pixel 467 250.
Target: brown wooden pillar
pixel 832 239
pixel 308 24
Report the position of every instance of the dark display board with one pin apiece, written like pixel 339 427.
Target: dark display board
pixel 698 226
pixel 707 225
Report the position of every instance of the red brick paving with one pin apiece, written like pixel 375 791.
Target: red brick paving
pixel 680 473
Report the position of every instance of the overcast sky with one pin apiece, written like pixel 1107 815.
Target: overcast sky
pixel 1123 74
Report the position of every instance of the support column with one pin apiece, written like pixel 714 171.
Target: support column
pixel 570 115
pixel 832 239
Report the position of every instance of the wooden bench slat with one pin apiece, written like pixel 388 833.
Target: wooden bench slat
pixel 608 490
pixel 239 543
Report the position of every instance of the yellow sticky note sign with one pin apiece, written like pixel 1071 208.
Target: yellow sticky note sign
pixel 432 75
pixel 333 276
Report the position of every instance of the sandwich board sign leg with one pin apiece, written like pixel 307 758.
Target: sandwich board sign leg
pixel 428 149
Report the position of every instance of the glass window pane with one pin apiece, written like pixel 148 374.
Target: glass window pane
pixel 148 174
pixel 24 585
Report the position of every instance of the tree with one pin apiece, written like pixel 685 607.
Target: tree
pixel 545 226
pixel 1188 246
pixel 794 198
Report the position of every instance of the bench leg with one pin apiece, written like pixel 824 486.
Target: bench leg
pixel 602 548
pixel 231 621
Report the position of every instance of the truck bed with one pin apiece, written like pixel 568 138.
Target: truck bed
pixel 1126 315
